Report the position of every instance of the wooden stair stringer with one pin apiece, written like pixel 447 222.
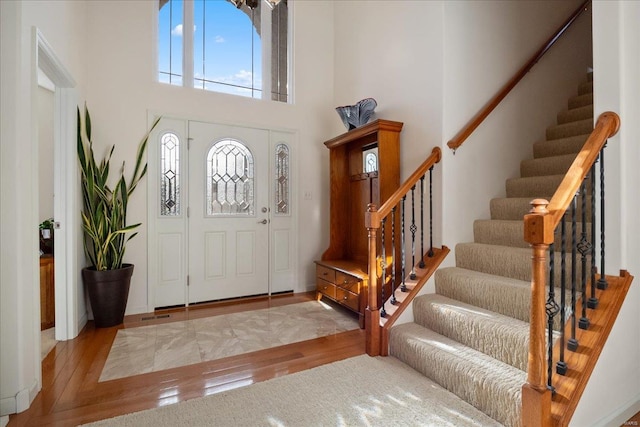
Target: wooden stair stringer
pixel 405 298
pixel 569 387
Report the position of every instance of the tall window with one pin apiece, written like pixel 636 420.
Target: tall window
pixel 233 49
pixel 169 174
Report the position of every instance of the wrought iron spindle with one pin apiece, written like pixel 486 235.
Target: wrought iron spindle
pixel 552 310
pixel 593 300
pixel 561 365
pixel 585 248
pixel 421 264
pixel 403 286
pixel 572 343
pixel 602 281
pixel 383 265
pixel 413 229
pixel 430 212
pixel 393 256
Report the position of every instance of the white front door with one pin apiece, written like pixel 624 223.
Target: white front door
pixel 228 212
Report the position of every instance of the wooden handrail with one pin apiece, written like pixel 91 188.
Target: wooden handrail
pixel 471 126
pixel 374 218
pixel 607 125
pixel 539 226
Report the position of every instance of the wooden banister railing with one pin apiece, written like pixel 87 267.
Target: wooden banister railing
pixel 539 230
pixel 471 126
pixel 384 271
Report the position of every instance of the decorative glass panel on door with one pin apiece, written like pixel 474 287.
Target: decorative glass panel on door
pixel 282 179
pixel 230 179
pixel 169 174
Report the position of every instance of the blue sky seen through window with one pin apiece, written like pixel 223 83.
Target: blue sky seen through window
pixel 227 49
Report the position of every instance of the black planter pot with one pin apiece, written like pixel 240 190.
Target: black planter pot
pixel 108 293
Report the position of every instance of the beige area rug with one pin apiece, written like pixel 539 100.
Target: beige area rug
pixel 361 391
pixel 157 347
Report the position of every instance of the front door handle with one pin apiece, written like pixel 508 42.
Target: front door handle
pixel 264 221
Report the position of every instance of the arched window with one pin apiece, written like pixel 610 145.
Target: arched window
pixel 230 185
pixel 237 46
pixel 169 174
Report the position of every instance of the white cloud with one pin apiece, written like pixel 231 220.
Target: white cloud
pixel 219 39
pixel 177 30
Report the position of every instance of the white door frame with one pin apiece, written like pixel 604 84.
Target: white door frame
pixel 276 135
pixel 69 321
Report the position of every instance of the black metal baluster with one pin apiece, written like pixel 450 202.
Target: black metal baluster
pixel 421 263
pixel 403 287
pixel 413 229
pixel 552 310
pixel 383 312
pixel 430 212
pixel 561 365
pixel 585 248
pixel 572 343
pixel 393 256
pixel 602 281
pixel 593 300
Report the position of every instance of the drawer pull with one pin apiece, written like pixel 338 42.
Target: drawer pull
pixel 325 288
pixel 345 282
pixel 325 273
pixel 345 298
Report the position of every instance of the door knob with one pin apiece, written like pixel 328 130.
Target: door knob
pixel 264 221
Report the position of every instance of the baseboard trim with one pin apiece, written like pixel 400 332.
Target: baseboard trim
pixel 20 402
pixel 622 414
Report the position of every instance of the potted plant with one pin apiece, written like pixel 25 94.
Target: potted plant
pixel 45 236
pixel 104 223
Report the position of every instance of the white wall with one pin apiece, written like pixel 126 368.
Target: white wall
pixel 612 395
pixel 122 89
pixel 485 43
pixel 62 23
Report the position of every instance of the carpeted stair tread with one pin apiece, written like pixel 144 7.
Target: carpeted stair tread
pixel 566 130
pixel 501 337
pixel 499 232
pixel 510 297
pixel 559 147
pixel 493 259
pixel 511 232
pixel 533 186
pixel 585 87
pixel 547 165
pixel 575 114
pixel 580 100
pixel 511 208
pixel 491 386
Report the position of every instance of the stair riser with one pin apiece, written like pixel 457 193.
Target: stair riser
pixel 586 87
pixel 567 130
pixel 559 147
pixel 511 299
pixel 510 262
pixel 580 101
pixel 497 393
pixel 500 337
pixel 575 114
pixel 555 165
pixel 511 233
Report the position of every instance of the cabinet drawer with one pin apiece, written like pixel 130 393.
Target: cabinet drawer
pixel 348 282
pixel 347 298
pixel 325 273
pixel 326 288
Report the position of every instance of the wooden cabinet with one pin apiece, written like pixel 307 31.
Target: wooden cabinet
pixel 364 168
pixel 47 295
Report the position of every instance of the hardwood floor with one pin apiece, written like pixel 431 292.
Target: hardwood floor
pixel 72 395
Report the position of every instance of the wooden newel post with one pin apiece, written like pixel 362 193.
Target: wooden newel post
pixel 536 398
pixel 372 313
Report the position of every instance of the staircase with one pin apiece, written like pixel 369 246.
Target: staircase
pixel 472 335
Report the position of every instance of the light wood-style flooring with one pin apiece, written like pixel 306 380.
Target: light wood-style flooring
pixel 72 395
